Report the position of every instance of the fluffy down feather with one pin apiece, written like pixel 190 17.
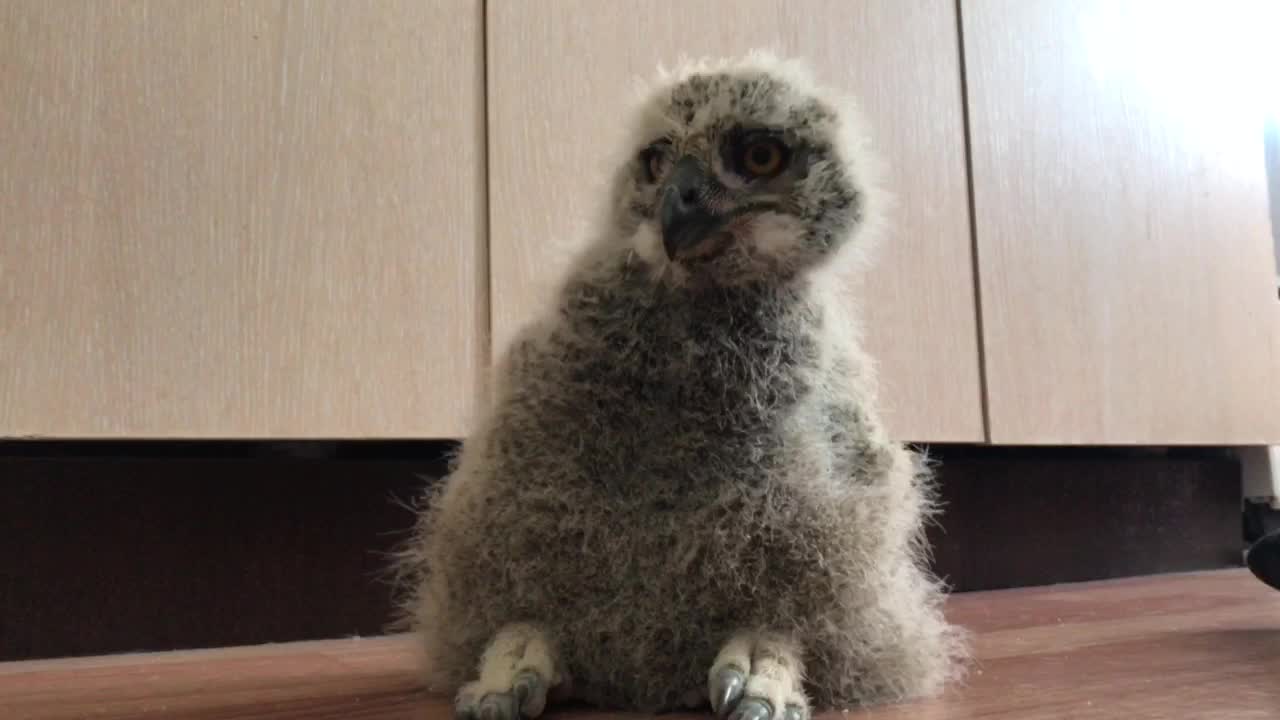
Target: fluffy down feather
pixel 671 458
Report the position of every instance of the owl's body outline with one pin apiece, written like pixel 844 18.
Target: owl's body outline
pixel 679 450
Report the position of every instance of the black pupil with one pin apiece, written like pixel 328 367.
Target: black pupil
pixel 762 155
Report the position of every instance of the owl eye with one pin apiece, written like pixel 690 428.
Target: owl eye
pixel 654 160
pixel 762 157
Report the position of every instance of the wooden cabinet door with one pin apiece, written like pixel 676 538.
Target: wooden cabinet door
pixel 561 71
pixel 1126 273
pixel 240 219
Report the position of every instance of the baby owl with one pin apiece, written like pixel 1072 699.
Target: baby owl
pixel 681 494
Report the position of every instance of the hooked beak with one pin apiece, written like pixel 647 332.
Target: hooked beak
pixel 686 222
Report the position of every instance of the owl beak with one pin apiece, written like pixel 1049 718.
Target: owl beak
pixel 687 224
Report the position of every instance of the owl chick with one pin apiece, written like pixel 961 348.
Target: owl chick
pixel 682 494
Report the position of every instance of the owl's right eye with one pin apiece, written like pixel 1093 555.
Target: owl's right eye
pixel 655 159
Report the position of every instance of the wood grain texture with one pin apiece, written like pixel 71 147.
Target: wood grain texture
pixel 241 219
pixel 353 679
pixel 1200 646
pixel 1122 224
pixel 561 72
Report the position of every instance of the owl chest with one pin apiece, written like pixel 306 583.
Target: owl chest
pixel 650 549
pixel 703 567
pixel 693 371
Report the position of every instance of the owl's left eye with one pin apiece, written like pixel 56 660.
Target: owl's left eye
pixel 654 159
pixel 762 157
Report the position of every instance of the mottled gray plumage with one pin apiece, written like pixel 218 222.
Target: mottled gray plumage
pixel 685 448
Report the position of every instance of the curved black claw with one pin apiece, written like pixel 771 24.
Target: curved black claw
pixel 499 706
pixel 530 694
pixel 726 690
pixel 752 708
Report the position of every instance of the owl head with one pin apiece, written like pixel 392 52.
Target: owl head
pixel 743 171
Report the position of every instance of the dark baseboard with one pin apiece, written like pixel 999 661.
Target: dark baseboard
pixel 117 547
pixel 1050 515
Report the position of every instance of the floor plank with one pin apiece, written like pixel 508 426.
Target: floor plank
pixel 1202 645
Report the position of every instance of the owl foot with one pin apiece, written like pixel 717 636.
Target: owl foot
pixel 526 698
pixel 758 677
pixel 517 672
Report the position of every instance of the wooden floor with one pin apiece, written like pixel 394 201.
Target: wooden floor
pixel 1203 646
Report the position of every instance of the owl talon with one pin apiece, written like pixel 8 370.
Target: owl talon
pixel 530 693
pixel 498 706
pixel 526 699
pixel 752 709
pixel 516 676
pixel 727 689
pixel 758 677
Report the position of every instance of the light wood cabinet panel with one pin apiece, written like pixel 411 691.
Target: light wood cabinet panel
pixel 241 219
pixel 1126 273
pixel 561 71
